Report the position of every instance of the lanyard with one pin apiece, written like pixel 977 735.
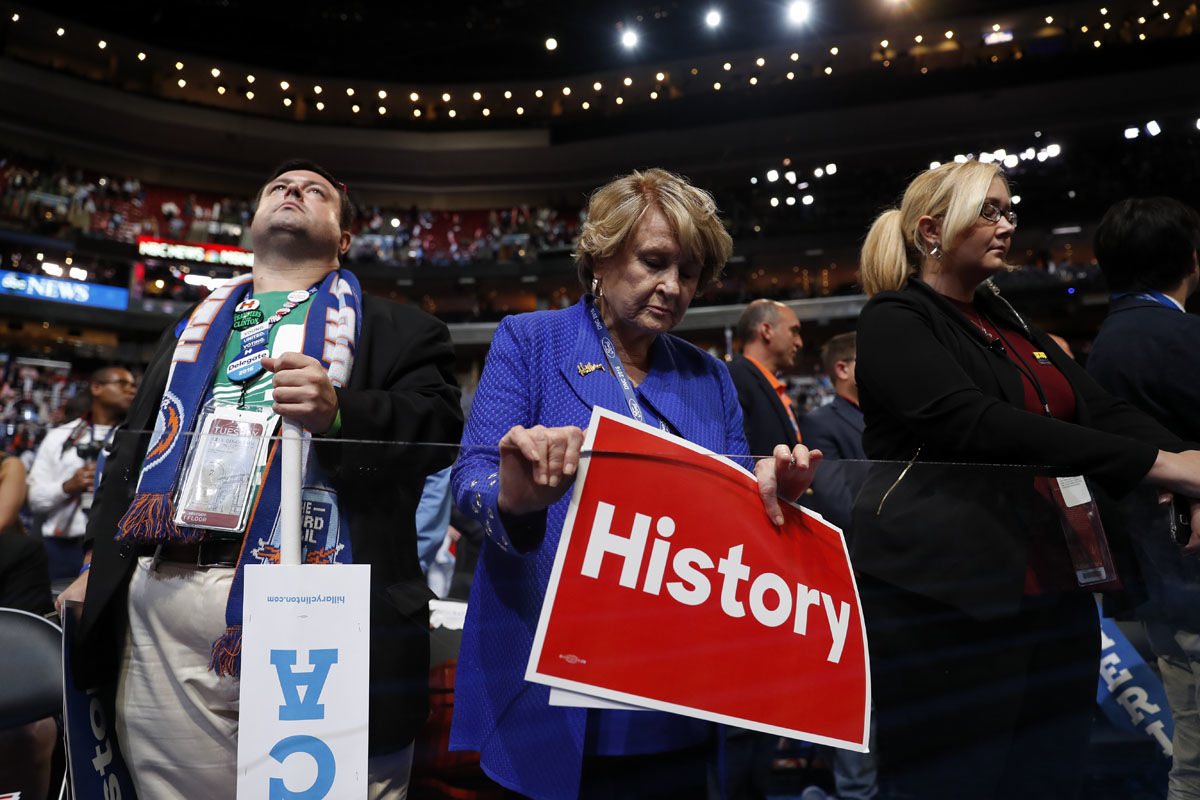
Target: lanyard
pixel 614 361
pixel 1157 297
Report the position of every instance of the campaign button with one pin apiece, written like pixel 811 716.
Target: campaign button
pixel 246 367
pixel 246 319
pixel 261 327
pixel 248 304
pixel 298 296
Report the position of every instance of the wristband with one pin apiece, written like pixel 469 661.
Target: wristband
pixel 85 568
pixel 335 427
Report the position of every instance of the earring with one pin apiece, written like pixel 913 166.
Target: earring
pixel 597 289
pixel 936 251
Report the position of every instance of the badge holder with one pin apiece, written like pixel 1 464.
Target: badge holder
pixel 1086 542
pixel 222 468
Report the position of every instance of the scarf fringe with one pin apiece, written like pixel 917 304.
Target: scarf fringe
pixel 227 653
pixel 151 518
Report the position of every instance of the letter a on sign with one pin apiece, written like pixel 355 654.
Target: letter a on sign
pixel 304 682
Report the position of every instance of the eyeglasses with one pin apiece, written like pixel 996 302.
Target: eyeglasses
pixel 992 213
pixel 124 383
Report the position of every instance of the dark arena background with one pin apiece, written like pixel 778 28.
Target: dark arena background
pixel 134 136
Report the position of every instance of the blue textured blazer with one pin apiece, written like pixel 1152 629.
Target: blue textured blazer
pixel 532 377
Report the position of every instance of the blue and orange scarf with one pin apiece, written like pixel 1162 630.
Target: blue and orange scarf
pixel 332 326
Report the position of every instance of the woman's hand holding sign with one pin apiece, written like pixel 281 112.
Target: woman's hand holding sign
pixel 787 474
pixel 537 466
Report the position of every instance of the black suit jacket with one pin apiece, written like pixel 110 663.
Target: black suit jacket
pixel 933 389
pixel 836 430
pixel 764 418
pixel 1150 355
pixel 401 389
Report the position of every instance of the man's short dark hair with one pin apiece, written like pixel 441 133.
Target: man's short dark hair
pixel 756 314
pixel 842 347
pixel 347 215
pixel 1147 243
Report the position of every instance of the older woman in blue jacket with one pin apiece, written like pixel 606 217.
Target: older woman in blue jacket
pixel 650 242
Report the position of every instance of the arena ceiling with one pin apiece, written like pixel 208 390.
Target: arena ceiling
pixel 483 40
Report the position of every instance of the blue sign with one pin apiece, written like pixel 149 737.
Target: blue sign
pixel 1128 692
pixel 62 291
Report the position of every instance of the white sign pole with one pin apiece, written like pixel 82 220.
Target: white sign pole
pixel 289 493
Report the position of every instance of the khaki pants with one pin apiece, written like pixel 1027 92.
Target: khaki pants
pixel 176 720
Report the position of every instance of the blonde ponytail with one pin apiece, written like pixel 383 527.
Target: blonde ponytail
pixel 884 263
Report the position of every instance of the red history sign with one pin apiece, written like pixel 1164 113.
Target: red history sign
pixel 672 590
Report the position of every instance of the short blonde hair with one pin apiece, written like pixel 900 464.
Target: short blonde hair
pixel 615 209
pixel 894 250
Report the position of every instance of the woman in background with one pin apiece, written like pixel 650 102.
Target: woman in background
pixel 984 646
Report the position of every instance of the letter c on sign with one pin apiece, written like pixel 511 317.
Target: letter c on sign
pixel 326 768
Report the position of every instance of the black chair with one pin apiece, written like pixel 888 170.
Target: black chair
pixel 30 668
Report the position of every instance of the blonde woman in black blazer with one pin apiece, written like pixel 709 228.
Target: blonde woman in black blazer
pixel 984 648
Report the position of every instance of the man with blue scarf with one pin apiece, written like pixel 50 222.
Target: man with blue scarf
pixel 174 525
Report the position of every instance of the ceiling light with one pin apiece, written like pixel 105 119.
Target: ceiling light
pixel 178 64
pixel 918 38
pixel 831 169
pixel 102 44
pixel 477 96
pixel 414 97
pixel 753 81
pixel 1049 20
pixel 713 18
pixel 1152 128
pixel 416 111
pixel 249 95
pixel 566 91
pixel 717 86
pixel 774 202
pixel 487 112
pixel 317 90
pixel 16 17
pixel 452 113
pixel 660 76
pixel 287 101
pixel 320 106
pixel 818 173
pixel 628 81
pixel 807 199
pixel 654 95
pixel 520 110
pixel 790 176
pixel 445 97
pixel 1016 199
pixel 61 31
pixel 620 100
pixel 884 44
pixel 791 201
pixel 355 108
pixel 141 56
pixel 182 83
pixel 828 71
pixel 349 91
pixel 216 73
pixel 727 66
pixel 507 95
pixel 629 39
pixel 382 94
pixel 220 90
pixel 760 61
pixel 382 110
pixel 586 105
pixel 799 12
pixel 284 85
pixel 772 175
pixel 249 79
pixel 538 93
pixel 551 43
pixel 597 86
pixel 949 34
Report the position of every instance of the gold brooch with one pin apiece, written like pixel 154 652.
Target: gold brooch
pixel 587 369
